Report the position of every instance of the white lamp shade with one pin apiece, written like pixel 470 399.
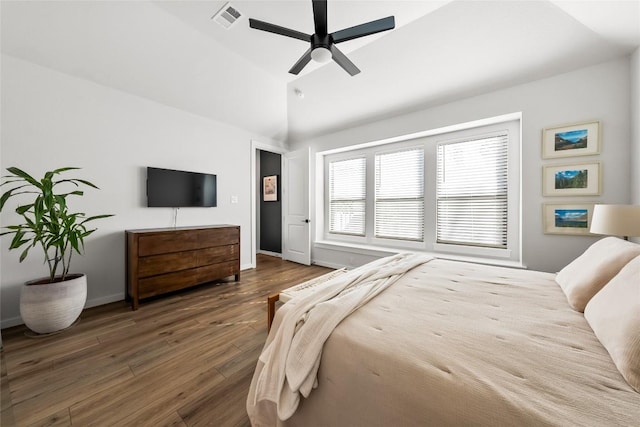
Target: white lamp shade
pixel 616 220
pixel 321 54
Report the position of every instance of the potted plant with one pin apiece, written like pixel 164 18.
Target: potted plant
pixel 55 302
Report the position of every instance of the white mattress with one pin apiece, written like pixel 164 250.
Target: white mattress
pixel 455 343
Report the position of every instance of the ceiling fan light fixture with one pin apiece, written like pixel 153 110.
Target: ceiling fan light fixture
pixel 321 54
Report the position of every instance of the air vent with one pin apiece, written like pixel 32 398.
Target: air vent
pixel 227 16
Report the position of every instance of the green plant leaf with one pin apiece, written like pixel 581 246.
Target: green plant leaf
pixel 88 232
pixel 11 179
pixel 73 239
pixel 24 254
pixel 59 199
pixel 22 174
pixel 17 240
pixel 30 223
pixel 71 181
pixel 93 218
pixel 12 192
pixel 21 210
pixel 38 209
pixel 87 183
pixel 64 169
pixel 5 197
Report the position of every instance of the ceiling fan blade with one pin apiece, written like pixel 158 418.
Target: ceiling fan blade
pixel 366 29
pixel 277 29
pixel 304 60
pixel 343 61
pixel 320 17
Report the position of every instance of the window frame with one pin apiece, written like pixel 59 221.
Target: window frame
pixel 429 140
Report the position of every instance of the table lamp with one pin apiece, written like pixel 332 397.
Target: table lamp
pixel 616 220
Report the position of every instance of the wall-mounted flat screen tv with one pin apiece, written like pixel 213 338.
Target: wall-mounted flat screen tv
pixel 175 189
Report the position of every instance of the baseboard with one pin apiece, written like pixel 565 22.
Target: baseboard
pixel 15 321
pixel 275 254
pixel 9 323
pixel 330 265
pixel 104 300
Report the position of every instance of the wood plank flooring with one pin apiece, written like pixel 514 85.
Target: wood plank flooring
pixel 181 360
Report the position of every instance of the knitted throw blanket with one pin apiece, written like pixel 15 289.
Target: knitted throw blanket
pixel 288 365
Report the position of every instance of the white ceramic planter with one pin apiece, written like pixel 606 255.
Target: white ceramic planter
pixel 50 307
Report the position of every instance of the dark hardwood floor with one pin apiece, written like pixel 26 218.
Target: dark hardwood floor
pixel 185 359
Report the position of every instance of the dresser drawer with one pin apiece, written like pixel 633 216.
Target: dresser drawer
pixel 225 236
pixel 217 271
pixel 168 242
pixel 217 254
pixel 167 263
pixel 158 285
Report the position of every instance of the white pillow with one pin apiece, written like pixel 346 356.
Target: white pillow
pixel 614 316
pixel 587 274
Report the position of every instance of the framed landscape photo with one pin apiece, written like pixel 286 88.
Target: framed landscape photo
pixel 579 179
pixel 574 218
pixel 581 139
pixel 270 188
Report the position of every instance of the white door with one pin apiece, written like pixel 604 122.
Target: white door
pixel 296 227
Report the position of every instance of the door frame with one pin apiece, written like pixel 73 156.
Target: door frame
pixel 255 146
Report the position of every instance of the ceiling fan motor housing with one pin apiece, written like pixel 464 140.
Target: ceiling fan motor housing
pixel 321 41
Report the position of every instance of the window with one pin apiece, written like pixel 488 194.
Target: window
pixel 453 190
pixel 399 202
pixel 347 193
pixel 472 192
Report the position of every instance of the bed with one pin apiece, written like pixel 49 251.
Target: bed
pixel 454 343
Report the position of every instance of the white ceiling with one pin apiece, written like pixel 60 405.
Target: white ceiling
pixel 277 54
pixel 173 53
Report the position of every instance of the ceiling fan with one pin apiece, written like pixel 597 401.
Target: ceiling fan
pixel 323 45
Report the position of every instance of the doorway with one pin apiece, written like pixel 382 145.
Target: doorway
pixel 293 193
pixel 269 212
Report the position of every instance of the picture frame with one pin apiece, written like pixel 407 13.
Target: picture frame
pixel 579 139
pixel 270 188
pixel 576 179
pixel 568 219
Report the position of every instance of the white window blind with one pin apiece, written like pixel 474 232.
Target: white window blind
pixel 347 195
pixel 472 192
pixel 399 195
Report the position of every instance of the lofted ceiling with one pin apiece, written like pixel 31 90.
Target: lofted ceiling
pixel 173 53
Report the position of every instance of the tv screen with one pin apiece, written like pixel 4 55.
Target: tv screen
pixel 175 189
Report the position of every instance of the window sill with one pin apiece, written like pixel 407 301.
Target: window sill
pixel 381 251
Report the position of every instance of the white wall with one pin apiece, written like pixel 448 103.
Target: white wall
pixel 598 92
pixel 50 120
pixel 635 130
pixel 635 127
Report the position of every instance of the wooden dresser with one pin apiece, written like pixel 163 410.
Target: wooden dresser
pixel 162 260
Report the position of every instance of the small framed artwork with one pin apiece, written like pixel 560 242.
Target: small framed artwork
pixel 270 188
pixel 574 218
pixel 581 139
pixel 580 179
